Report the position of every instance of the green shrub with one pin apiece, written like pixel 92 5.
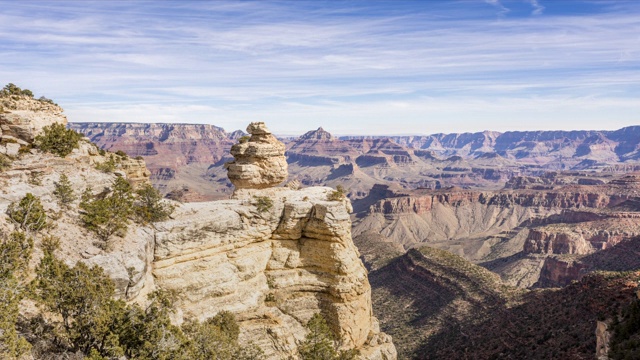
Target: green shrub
pixel 28 214
pixel 44 99
pixel 244 139
pixel 338 195
pixel 107 166
pixel 217 338
pixel 5 162
pixel 81 298
pixel 25 149
pixel 108 215
pixel 263 203
pixel 15 252
pixel 64 191
pixel 57 139
pixel 148 206
pixel 320 343
pixel 122 153
pixel 10 89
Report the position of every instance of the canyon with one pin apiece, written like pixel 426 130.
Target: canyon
pixel 272 256
pixel 495 214
pixel 190 157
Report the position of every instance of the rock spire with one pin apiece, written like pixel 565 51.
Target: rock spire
pixel 259 162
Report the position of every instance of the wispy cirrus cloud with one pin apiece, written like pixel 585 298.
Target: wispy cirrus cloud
pixel 243 61
pixel 537 8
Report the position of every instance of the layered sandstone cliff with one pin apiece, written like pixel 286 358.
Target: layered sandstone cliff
pixel 22 119
pixel 273 256
pixel 273 268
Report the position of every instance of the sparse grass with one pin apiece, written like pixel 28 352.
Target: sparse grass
pixel 338 194
pixel 263 203
pixel 122 154
pixel 5 162
pixel 107 166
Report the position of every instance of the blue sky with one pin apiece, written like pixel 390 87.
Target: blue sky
pixel 353 67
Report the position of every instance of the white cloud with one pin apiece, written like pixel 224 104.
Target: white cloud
pixel 537 8
pixel 232 62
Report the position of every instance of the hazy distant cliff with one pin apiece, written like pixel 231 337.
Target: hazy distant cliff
pixel 176 154
pixel 191 156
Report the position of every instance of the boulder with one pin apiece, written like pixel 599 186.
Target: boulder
pixel 259 163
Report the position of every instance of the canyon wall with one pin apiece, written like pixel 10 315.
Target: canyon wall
pixel 273 256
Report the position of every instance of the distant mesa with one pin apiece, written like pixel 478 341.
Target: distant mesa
pixel 259 161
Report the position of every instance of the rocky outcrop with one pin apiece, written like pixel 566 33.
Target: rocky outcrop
pixel 558 272
pixel 603 338
pixel 258 162
pixel 272 267
pixel 274 257
pixel 22 118
pixel 178 155
pixel 547 242
pixel 134 170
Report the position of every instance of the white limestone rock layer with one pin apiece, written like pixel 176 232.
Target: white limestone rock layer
pixel 274 269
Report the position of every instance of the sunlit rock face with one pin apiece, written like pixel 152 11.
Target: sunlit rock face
pixel 259 161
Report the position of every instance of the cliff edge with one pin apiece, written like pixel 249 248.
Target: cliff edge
pixel 272 256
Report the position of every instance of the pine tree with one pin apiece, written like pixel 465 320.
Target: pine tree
pixel 64 191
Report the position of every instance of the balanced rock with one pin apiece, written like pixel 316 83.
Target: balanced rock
pixel 259 161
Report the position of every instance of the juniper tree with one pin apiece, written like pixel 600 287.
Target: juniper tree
pixel 15 252
pixel 64 191
pixel 57 139
pixel 320 342
pixel 148 206
pixel 28 214
pixel 110 214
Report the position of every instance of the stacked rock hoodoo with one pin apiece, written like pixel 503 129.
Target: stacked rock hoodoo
pixel 259 161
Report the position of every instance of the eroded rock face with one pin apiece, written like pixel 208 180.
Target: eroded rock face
pixel 259 162
pixel 23 118
pixel 273 267
pixel 127 260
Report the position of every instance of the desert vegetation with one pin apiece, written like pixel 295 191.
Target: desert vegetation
pixel 14 92
pixel 57 139
pixel 263 203
pixel 28 214
pixel 338 194
pixel 109 213
pixel 321 343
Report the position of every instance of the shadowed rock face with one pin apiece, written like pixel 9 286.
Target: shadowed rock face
pixel 259 162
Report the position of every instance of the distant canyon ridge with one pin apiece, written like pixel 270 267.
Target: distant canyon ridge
pixel 188 159
pixel 513 211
